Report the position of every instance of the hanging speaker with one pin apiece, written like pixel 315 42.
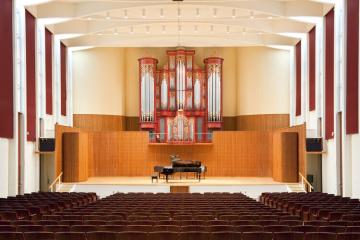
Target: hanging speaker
pixel 314 144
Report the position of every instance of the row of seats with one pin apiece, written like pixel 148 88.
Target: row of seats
pixel 162 235
pixel 34 205
pixel 177 228
pixel 314 206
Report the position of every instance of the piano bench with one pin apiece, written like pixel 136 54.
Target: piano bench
pixel 154 176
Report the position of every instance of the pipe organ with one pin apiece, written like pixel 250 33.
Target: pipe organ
pixel 180 102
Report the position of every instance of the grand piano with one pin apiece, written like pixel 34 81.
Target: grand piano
pixel 179 165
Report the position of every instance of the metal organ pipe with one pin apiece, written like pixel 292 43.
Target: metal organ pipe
pixel 142 96
pixel 218 88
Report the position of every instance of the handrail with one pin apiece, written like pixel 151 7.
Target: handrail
pixel 57 180
pixel 306 184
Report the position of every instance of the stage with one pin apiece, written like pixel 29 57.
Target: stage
pixel 251 186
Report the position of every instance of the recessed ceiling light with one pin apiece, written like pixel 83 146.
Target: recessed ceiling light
pixel 212 28
pixel 161 12
pixel 89 18
pixel 179 28
pixel 99 34
pixel 233 13
pixel 197 13
pixel 252 15
pixel 270 17
pixel 179 12
pixel 116 32
pixel 163 29
pixel 131 30
pixel 143 13
pixel 108 17
pixel 227 29
pixel 214 12
pixel 125 14
pixel 147 29
pixel 244 31
pixel 196 29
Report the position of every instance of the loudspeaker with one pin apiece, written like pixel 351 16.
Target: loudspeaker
pixel 314 144
pixel 46 144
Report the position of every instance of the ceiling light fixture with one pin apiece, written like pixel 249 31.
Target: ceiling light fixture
pixel 196 29
pixel 179 12
pixel 252 15
pixel 143 13
pixel 147 29
pixel 89 18
pixel 212 28
pixel 163 29
pixel 215 13
pixel 108 17
pixel 132 30
pixel 179 28
pixel 233 13
pixel 270 17
pixel 244 31
pixel 116 32
pixel 125 14
pixel 227 29
pixel 161 12
pixel 197 13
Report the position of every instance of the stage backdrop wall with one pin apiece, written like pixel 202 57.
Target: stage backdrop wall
pixel 127 153
pixel 256 79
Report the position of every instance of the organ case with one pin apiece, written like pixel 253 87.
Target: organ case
pixel 180 102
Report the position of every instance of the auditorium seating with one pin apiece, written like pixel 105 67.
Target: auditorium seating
pixel 136 216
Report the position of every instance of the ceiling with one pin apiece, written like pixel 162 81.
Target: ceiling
pixel 190 23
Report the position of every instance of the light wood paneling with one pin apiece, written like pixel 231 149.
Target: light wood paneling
pixel 75 156
pixel 229 123
pixel 231 154
pixel 262 122
pixel 59 130
pixel 285 158
pixel 95 122
pixel 301 131
pixel 132 123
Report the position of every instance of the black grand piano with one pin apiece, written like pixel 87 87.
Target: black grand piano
pixel 179 165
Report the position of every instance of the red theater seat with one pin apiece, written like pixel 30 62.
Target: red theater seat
pixel 70 236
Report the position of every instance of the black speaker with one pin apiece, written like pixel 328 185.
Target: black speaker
pixel 314 144
pixel 47 144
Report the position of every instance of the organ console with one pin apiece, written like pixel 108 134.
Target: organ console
pixel 181 102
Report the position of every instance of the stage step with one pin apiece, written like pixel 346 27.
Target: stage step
pixel 66 187
pixel 296 187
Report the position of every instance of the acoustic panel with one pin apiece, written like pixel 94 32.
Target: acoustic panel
pixel 49 71
pixel 63 53
pixel 352 68
pixel 312 68
pixel 329 75
pixel 298 78
pixel 30 77
pixel 6 69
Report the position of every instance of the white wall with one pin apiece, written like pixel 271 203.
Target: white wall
pixel 4 160
pixel 255 79
pixel 263 81
pixel 99 84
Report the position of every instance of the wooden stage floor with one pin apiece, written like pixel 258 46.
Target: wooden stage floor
pixel 213 181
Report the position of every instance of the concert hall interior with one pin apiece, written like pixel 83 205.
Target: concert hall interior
pixel 241 116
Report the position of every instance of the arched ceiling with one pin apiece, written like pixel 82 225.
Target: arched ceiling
pixel 167 23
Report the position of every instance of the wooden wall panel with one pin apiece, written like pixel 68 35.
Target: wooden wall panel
pixel 301 131
pixel 231 154
pixel 75 156
pixel 59 130
pixel 96 122
pixel 179 189
pixel 262 122
pixel 285 157
pixel 132 123
pixel 229 123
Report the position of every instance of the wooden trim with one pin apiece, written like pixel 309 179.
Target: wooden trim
pixel 262 122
